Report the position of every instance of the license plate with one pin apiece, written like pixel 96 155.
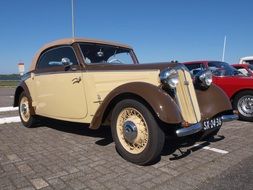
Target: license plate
pixel 212 123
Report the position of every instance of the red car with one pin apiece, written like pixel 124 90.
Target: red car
pixel 236 85
pixel 246 69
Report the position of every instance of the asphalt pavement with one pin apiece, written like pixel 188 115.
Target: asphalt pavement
pixel 240 176
pixel 6 96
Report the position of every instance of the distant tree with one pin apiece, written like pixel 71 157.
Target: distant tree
pixel 10 77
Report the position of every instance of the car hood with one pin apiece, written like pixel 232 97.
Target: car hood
pixel 141 66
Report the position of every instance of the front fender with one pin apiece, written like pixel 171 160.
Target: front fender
pixel 212 101
pixel 162 104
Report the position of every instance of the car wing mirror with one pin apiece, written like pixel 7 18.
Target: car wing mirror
pixel 67 64
pixel 66 61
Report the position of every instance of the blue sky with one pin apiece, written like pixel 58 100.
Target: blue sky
pixel 158 30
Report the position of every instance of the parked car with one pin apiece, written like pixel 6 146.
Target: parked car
pixel 246 60
pixel 99 83
pixel 246 69
pixel 238 87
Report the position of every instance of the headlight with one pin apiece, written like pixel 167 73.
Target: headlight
pixel 169 77
pixel 204 79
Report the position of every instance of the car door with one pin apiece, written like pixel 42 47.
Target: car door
pixel 59 86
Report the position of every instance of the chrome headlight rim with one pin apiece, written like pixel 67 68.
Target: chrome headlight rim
pixel 204 79
pixel 169 78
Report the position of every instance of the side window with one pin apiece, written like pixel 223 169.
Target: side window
pixel 57 58
pixel 194 68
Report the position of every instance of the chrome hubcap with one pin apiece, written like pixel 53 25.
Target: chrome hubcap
pixel 129 131
pixel 245 106
pixel 24 109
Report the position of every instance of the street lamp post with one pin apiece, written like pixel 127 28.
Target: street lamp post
pixel 224 48
pixel 73 19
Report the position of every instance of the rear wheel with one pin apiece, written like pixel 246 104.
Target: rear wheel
pixel 136 134
pixel 243 102
pixel 24 111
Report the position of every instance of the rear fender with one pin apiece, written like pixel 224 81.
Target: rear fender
pixel 20 88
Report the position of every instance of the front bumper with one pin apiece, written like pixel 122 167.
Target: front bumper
pixel 226 118
pixel 189 130
pixel 195 128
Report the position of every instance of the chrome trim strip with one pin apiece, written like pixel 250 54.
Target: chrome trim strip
pixel 189 130
pixel 226 118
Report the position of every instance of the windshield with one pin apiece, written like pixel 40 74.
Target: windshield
pixel 222 69
pixel 99 53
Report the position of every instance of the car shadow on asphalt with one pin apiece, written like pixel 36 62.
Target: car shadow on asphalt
pixel 174 146
pixel 103 133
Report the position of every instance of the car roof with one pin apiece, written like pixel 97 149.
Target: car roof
pixel 69 41
pixel 247 58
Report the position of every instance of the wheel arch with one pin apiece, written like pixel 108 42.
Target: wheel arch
pixel 238 92
pixel 120 97
pixel 22 87
pixel 18 91
pixel 160 103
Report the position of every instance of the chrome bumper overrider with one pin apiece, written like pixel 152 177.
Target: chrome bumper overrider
pixel 189 130
pixel 226 118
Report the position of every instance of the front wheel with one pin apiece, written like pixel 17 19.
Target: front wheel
pixel 136 134
pixel 243 102
pixel 24 111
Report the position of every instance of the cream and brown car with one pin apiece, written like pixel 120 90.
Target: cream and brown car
pixel 97 82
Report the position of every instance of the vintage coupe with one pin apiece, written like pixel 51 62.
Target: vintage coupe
pixel 237 86
pixel 100 83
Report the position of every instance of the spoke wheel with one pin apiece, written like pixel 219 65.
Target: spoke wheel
pixel 24 109
pixel 132 130
pixel 26 117
pixel 135 131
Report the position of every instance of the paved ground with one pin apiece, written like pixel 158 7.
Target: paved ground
pixel 6 96
pixel 61 155
pixel 230 180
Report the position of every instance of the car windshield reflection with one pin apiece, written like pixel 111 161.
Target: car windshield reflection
pixel 223 69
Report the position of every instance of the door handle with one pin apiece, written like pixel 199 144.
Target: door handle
pixel 76 80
